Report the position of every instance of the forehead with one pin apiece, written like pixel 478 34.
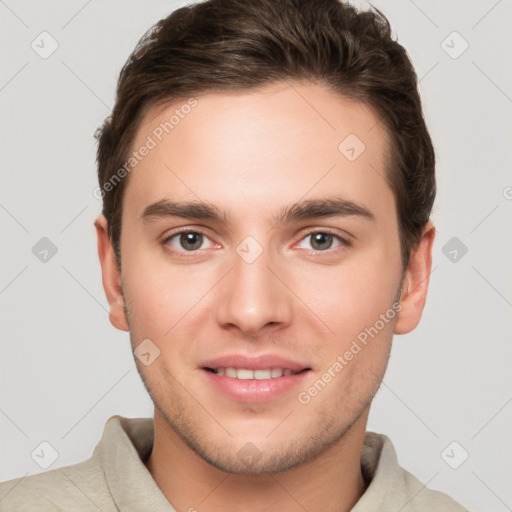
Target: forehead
pixel 254 149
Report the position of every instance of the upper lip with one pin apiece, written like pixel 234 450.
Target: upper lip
pixel 261 362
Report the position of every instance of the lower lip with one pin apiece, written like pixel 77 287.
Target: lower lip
pixel 252 390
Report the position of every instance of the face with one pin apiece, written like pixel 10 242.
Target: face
pixel 261 257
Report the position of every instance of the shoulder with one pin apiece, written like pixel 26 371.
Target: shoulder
pixel 85 486
pixel 393 486
pixel 421 499
pixel 80 486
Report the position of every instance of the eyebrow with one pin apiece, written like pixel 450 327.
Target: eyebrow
pixel 309 209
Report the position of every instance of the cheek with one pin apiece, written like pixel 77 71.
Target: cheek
pixel 150 293
pixel 356 357
pixel 165 301
pixel 363 316
pixel 148 278
pixel 354 297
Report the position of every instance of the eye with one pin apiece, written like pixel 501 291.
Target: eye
pixel 192 241
pixel 186 241
pixel 322 241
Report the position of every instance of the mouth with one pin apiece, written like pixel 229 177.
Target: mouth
pixel 254 379
pixel 248 374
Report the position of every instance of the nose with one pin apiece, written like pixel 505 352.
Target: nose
pixel 254 296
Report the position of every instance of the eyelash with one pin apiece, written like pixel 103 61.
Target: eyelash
pixel 344 244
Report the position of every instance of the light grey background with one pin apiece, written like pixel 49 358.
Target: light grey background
pixel 65 370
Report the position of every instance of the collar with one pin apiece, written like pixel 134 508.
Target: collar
pixel 127 443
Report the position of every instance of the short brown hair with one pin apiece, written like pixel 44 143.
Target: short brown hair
pixel 235 45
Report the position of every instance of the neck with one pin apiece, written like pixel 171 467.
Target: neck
pixel 332 482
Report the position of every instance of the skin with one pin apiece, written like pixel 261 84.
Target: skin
pixel 251 154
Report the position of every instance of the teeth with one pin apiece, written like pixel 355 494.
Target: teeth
pixel 231 372
pixel 262 374
pixel 245 374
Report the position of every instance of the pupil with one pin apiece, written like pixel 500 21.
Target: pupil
pixel 191 241
pixel 318 238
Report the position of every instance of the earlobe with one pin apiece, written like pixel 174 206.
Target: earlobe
pixel 415 283
pixel 111 276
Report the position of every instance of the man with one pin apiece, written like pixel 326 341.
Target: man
pixel 285 142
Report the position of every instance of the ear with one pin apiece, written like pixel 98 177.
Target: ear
pixel 111 276
pixel 415 283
